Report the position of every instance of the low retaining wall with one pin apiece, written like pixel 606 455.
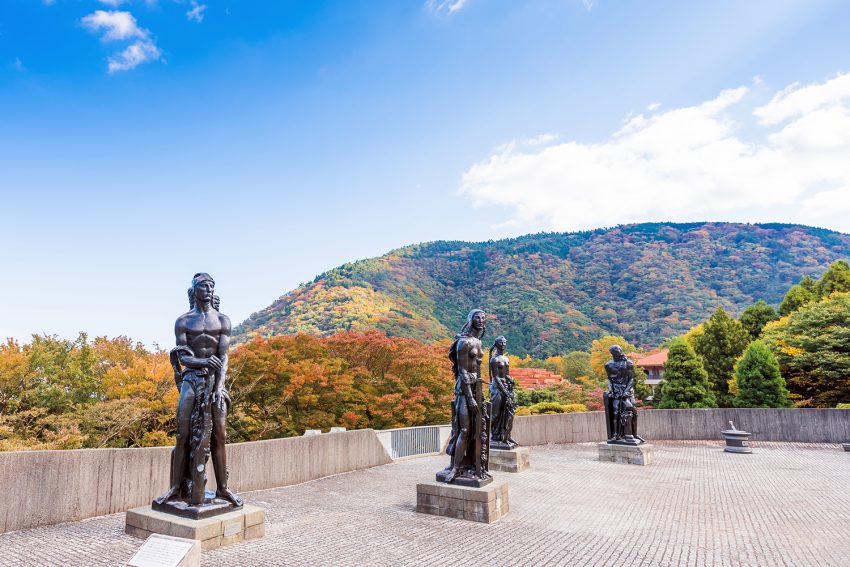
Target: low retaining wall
pixel 797 425
pixel 48 487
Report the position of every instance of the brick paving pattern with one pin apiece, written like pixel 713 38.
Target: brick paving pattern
pixel 786 504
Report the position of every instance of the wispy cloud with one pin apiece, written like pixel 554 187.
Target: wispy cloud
pixel 686 164
pixel 197 12
pixel 19 65
pixel 122 26
pixel 588 4
pixel 113 3
pixel 444 6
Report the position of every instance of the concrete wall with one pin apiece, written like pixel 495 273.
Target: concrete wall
pixel 48 487
pixel 800 425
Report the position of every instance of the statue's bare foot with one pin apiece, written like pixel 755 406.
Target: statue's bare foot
pixel 169 494
pixel 229 496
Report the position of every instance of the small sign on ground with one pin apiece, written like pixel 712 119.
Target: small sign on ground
pixel 165 551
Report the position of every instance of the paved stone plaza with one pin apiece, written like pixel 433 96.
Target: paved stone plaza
pixel 786 504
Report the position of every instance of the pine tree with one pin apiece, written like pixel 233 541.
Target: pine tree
pixel 835 278
pixel 759 382
pixel 685 380
pixel 756 316
pixel 795 298
pixel 723 340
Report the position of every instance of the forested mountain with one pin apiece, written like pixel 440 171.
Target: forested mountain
pixel 552 293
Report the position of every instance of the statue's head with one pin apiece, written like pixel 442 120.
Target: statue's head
pixel 500 343
pixel 202 289
pixel 617 352
pixel 475 324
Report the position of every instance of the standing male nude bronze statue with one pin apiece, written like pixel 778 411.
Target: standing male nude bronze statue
pixel 200 369
pixel 469 445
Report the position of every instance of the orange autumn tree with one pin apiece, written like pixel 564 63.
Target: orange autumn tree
pixel 284 385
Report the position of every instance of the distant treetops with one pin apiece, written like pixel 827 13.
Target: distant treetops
pixel 762 360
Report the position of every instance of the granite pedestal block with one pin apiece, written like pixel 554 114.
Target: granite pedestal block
pixel 846 446
pixel 513 460
pixel 487 504
pixel 231 527
pixel 630 454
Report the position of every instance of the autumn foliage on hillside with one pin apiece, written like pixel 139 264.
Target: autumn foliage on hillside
pixel 287 384
pixel 60 394
pixel 551 294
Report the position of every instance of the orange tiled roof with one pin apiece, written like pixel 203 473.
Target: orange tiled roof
pixel 654 359
pixel 535 377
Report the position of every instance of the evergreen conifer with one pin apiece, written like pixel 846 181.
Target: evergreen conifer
pixel 686 382
pixel 756 316
pixel 723 340
pixel 760 384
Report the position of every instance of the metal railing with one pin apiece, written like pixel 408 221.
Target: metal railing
pixel 410 441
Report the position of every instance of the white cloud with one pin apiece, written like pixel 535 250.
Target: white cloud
pixel 122 26
pixel 19 65
pixel 445 6
pixel 133 56
pixel 113 3
pixel 114 25
pixel 685 164
pixel 197 12
pixel 588 4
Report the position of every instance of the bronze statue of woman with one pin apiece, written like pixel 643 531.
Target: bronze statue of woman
pixel 469 442
pixel 502 397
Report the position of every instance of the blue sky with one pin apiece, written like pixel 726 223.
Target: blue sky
pixel 265 142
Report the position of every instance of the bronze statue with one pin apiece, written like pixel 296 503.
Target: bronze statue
pixel 200 368
pixel 620 411
pixel 502 399
pixel 469 446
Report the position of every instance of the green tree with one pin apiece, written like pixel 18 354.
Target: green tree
pixel 685 380
pixel 756 316
pixel 760 384
pixel 723 340
pixel 599 355
pixel 812 346
pixel 835 278
pixel 795 298
pixel 575 364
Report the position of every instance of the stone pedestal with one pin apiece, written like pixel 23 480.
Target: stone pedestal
pixel 487 504
pixel 231 527
pixel 513 460
pixel 630 454
pixel 846 446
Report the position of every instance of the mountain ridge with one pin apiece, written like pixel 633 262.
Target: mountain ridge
pixel 553 292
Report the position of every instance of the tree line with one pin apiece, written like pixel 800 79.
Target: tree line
pixel 64 394
pixel 82 393
pixel 798 356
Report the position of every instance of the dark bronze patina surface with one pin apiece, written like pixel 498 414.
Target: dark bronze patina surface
pixel 620 411
pixel 200 370
pixel 469 445
pixel 502 398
